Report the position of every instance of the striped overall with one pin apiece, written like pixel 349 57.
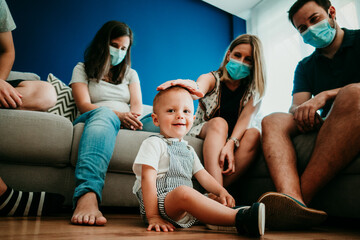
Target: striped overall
pixel 179 174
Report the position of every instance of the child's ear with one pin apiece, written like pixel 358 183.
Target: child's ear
pixel 155 119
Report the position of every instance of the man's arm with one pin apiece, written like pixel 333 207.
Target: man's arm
pixel 304 108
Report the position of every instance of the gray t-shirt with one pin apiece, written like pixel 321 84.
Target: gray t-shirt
pixel 7 23
pixel 102 93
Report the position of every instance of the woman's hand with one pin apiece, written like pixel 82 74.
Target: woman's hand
pixel 129 120
pixel 190 85
pixel 159 224
pixel 227 154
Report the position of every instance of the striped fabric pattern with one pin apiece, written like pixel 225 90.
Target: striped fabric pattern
pixel 20 203
pixel 65 105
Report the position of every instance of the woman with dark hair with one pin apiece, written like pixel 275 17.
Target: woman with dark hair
pixel 107 94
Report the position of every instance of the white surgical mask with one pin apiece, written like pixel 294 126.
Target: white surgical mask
pixel 319 35
pixel 237 69
pixel 117 55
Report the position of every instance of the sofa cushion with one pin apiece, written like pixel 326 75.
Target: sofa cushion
pixel 34 138
pixel 14 75
pixel 65 105
pixel 126 147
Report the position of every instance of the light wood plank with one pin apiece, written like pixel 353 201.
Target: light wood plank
pixel 130 226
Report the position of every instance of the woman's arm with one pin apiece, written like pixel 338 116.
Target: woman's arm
pixel 130 119
pixel 209 183
pixel 241 125
pixel 148 187
pixel 243 120
pixel 81 95
pixel 135 98
pixel 198 89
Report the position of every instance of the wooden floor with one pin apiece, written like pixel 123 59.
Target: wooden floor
pixel 130 226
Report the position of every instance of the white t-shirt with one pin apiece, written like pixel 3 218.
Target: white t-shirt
pixel 102 93
pixel 153 152
pixel 7 23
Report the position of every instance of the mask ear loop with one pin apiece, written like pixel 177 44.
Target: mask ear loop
pixel 333 20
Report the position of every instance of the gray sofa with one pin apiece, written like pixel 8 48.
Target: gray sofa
pixel 38 151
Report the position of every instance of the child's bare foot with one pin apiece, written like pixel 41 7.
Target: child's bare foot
pixel 87 211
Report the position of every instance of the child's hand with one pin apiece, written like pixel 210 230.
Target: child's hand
pixel 158 223
pixel 226 199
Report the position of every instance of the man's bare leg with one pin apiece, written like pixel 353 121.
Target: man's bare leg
pixel 87 211
pixel 279 153
pixel 337 143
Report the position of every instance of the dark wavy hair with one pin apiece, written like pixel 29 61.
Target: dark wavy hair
pixel 325 4
pixel 97 54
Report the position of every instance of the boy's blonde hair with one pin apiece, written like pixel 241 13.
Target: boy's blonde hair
pixel 162 92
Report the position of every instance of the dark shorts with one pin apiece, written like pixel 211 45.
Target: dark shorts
pixel 15 83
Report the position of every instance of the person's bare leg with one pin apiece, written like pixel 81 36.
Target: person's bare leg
pixel 37 95
pixel 87 211
pixel 337 143
pixel 279 153
pixel 185 199
pixel 214 134
pixel 245 154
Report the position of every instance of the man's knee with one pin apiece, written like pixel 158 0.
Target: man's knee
pixel 276 121
pixel 348 98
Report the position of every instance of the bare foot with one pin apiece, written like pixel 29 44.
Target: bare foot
pixel 87 211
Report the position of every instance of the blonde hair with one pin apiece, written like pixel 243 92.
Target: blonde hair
pixel 257 83
pixel 160 94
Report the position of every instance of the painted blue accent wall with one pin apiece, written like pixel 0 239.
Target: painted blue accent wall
pixel 238 26
pixel 173 38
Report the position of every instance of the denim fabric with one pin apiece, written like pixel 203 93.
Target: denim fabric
pixel 95 150
pixel 148 124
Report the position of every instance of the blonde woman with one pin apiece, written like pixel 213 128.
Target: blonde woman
pixel 229 101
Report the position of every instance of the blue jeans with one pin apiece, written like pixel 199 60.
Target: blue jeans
pixel 148 124
pixel 95 150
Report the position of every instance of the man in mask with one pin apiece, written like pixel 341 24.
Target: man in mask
pixel 327 80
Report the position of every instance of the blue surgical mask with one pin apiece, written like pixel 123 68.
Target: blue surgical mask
pixel 237 69
pixel 319 35
pixel 117 55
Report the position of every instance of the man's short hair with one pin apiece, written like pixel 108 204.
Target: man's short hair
pixel 325 4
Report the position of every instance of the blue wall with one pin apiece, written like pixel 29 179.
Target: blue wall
pixel 173 38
